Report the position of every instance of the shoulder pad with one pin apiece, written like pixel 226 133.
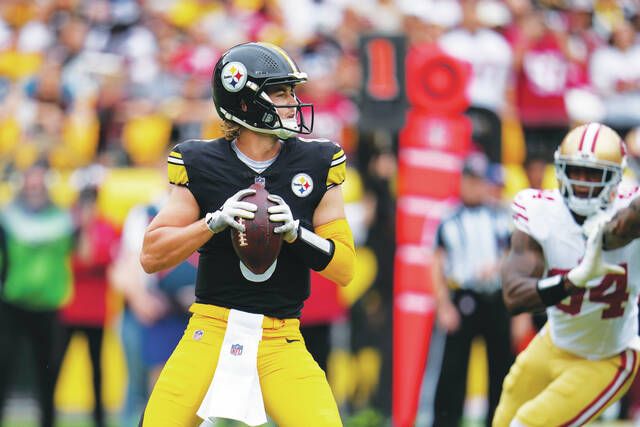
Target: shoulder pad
pixel 338 166
pixel 528 210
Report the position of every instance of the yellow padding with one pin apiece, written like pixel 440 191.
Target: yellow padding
pixel 341 268
pixel 337 174
pixel 177 174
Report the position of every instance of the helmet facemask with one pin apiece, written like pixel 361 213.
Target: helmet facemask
pixel 272 121
pixel 261 113
pixel 600 193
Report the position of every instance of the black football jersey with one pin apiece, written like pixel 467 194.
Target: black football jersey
pixel 301 174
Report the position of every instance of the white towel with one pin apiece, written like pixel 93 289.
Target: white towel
pixel 235 391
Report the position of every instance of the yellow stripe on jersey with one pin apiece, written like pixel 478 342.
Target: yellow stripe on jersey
pixel 338 155
pixel 175 154
pixel 337 172
pixel 177 174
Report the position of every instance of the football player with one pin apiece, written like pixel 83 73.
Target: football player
pixel 574 252
pixel 254 93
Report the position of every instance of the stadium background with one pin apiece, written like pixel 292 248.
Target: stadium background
pixel 115 83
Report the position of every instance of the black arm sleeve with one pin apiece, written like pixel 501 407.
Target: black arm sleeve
pixel 312 255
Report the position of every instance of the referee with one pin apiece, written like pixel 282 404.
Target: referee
pixel 469 246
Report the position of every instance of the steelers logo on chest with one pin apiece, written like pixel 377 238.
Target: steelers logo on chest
pixel 302 185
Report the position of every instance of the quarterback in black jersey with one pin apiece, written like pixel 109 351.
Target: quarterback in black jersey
pixel 244 333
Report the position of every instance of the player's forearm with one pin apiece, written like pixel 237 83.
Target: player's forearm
pixel 520 294
pixel 623 228
pixel 440 287
pixel 165 247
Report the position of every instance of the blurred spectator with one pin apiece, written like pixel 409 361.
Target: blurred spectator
pixel 633 151
pixel 155 313
pixel 142 307
pixel 465 272
pixel 335 115
pixel 321 311
pixel 615 73
pixel 39 240
pixel 534 168
pixel 112 81
pixel 580 40
pixel 371 315
pixel 490 57
pixel 48 88
pixel 541 70
pixel 86 312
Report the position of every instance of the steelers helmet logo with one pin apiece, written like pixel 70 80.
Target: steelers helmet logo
pixel 234 76
pixel 302 185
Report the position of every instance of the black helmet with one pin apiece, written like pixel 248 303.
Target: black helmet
pixel 241 78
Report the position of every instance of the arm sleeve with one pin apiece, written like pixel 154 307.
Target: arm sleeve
pixel 341 267
pixel 176 170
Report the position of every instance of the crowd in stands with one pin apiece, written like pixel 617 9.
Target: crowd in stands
pixel 115 83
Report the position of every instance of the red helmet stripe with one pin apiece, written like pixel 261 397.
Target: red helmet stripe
pixel 584 133
pixel 595 139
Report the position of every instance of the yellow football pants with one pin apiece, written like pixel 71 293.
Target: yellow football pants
pixel 548 387
pixel 294 388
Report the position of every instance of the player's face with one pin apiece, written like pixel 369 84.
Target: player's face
pixel 580 173
pixel 284 95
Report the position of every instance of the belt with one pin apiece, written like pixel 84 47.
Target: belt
pixel 222 313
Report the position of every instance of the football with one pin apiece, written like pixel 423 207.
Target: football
pixel 258 246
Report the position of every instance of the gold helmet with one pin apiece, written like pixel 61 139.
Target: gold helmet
pixel 591 146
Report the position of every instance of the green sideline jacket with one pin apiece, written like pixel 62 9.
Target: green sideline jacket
pixel 35 262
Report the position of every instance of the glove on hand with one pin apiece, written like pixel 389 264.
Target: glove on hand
pixel 232 208
pixel 282 213
pixel 592 266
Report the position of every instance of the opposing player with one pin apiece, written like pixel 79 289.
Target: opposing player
pixel 575 253
pixel 243 352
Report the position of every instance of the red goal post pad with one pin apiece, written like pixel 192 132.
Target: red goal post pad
pixel 413 319
pixel 428 173
pixel 450 134
pixel 435 81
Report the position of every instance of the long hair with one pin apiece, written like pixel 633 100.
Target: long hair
pixel 231 130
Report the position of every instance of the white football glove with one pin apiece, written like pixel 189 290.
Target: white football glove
pixel 592 266
pixel 282 213
pixel 590 223
pixel 232 208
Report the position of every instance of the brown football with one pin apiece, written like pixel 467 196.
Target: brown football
pixel 258 246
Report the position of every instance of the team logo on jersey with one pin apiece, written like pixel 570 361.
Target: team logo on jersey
pixel 197 335
pixel 236 349
pixel 234 76
pixel 302 185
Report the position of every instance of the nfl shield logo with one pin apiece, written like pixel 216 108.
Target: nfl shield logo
pixel 236 349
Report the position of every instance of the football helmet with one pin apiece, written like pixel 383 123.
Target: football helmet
pixel 241 79
pixel 597 149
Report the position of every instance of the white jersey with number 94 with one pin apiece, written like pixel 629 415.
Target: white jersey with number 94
pixel 603 320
